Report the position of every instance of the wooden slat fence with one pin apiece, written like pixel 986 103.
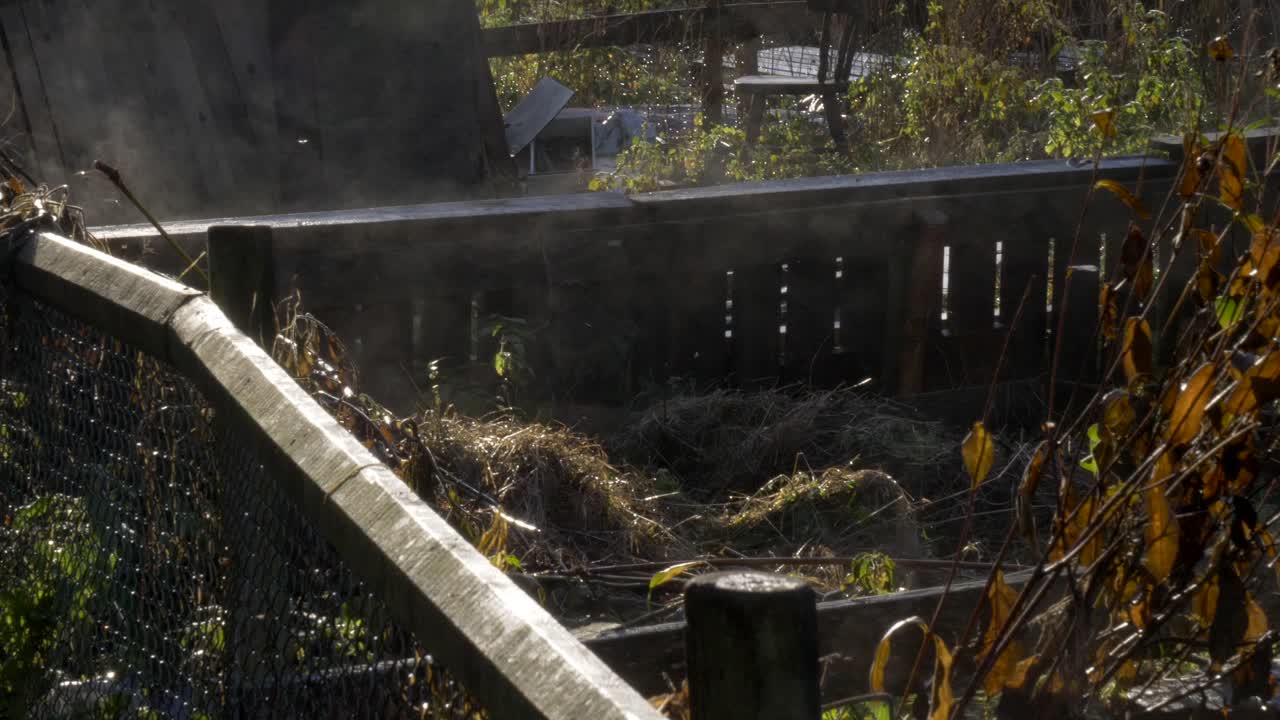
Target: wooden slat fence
pixel 910 279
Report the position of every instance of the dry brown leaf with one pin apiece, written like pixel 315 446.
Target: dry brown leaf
pixel 885 647
pixel 1135 355
pixel 944 699
pixel 1126 197
pixel 1161 533
pixel 978 453
pixel 1220 49
pixel 1189 407
pixel 1001 598
pixel 1259 385
pixel 1232 171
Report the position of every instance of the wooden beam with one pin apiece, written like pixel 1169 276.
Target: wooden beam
pixel 650 656
pixel 786 19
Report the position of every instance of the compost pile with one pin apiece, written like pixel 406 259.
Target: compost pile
pixel 813 480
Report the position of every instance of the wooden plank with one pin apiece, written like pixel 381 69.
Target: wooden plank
pixel 914 304
pixel 757 340
pixel 809 290
pixel 242 279
pixel 787 19
pixel 849 629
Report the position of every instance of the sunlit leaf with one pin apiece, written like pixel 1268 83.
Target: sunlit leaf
pixel 1229 311
pixel 1161 534
pixel 944 699
pixel 1026 492
pixel 1105 121
pixel 1264 251
pixel 663 577
pixel 1135 355
pixel 1118 415
pixel 1208 282
pixel 885 648
pixel 1189 407
pixel 1220 49
pixel 978 453
pixel 1204 604
pixel 1126 197
pixel 1254 222
pixel 1001 598
pixel 1259 385
pixel 1137 263
pixel 1233 171
pixel 1191 175
pixel 1108 312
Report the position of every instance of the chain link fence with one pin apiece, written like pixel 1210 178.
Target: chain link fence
pixel 150 567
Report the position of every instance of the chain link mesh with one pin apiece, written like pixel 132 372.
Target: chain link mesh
pixel 150 568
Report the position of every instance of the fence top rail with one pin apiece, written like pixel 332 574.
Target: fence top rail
pixel 512 655
pixel 599 209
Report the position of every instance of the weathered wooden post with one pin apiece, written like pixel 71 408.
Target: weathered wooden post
pixel 242 279
pixel 751 647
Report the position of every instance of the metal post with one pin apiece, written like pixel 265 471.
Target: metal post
pixel 751 647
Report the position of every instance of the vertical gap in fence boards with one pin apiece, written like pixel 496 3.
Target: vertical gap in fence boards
pixel 649 252
pixel 862 287
pixel 810 300
pixel 697 312
pixel 1076 302
pixel 970 347
pixel 587 292
pixel 756 311
pixel 914 301
pixel 1025 263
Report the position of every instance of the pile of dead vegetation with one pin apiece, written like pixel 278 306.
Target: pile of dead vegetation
pixel 783 473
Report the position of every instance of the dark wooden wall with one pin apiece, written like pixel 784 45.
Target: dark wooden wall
pixel 823 281
pixel 214 107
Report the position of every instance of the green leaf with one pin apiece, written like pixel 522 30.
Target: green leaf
pixel 665 576
pixel 1229 311
pixel 500 360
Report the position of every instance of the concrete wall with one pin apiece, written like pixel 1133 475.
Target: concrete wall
pixel 251 106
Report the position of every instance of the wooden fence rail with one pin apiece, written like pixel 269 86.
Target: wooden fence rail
pixel 911 279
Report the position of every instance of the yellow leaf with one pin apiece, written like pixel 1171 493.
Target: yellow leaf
pixel 1125 196
pixel 1189 406
pixel 1204 604
pixel 1004 669
pixel 1232 171
pixel 665 576
pixel 1105 121
pixel 944 699
pixel 1258 625
pixel 979 453
pixel 1220 49
pixel 881 661
pixel 1259 385
pixel 1018 677
pixel 1264 251
pixel 1136 351
pixel 1118 415
pixel 1161 533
